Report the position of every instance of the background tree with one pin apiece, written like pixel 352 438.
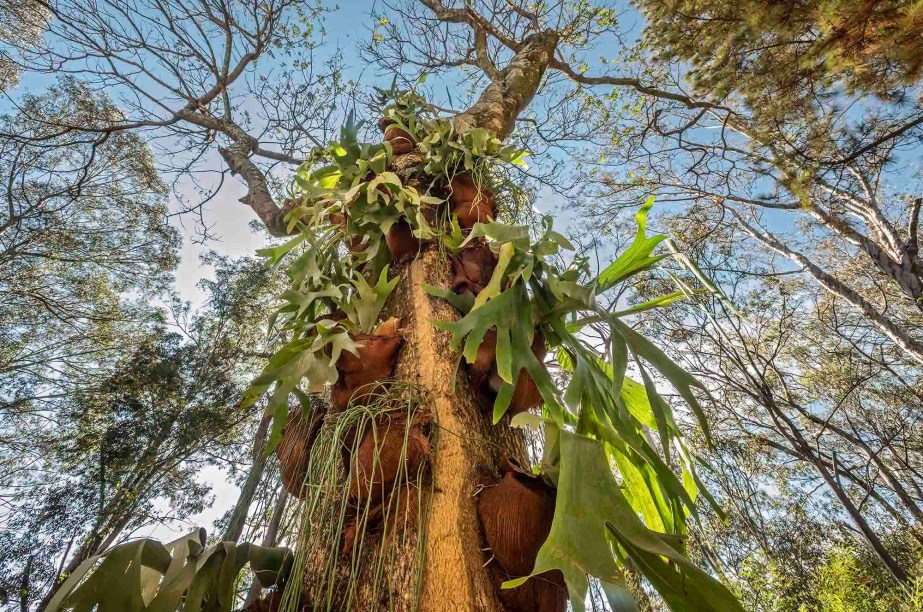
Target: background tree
pixel 101 460
pixel 21 25
pixel 826 187
pixel 188 76
pixel 84 220
pixel 785 56
pixel 802 410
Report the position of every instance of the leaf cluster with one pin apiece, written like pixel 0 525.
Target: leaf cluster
pixel 145 575
pixel 601 413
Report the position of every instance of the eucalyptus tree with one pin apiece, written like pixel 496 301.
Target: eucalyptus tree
pixel 803 403
pixel 21 25
pixel 799 151
pixel 123 452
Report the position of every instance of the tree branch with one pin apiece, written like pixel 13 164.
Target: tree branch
pixel 900 337
pixel 507 96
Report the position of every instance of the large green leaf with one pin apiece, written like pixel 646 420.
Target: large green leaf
pixel 657 302
pixel 577 544
pixel 463 303
pixel 115 584
pixel 275 253
pixel 369 300
pixel 592 515
pixel 146 576
pixel 678 580
pixel 681 380
pixel 168 593
pixel 510 314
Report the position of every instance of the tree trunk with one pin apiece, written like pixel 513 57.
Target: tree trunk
pixel 468 447
pixel 864 528
pixel 443 566
pixel 258 465
pixel 269 539
pixel 804 448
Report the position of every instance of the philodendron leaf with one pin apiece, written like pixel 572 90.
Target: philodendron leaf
pixel 591 516
pixel 147 576
pixel 115 584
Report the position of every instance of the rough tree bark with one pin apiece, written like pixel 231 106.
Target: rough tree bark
pixel 468 446
pixel 454 576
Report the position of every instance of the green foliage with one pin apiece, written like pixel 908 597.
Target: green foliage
pixel 21 26
pixel 133 431
pixel 850 581
pixel 84 224
pixel 593 520
pixel 782 54
pixel 145 575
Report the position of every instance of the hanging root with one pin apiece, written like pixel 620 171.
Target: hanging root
pixel 366 492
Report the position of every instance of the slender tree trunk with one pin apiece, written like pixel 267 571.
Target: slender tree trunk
pixel 257 466
pixel 867 532
pixel 803 447
pixel 875 457
pixel 269 538
pixel 24 586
